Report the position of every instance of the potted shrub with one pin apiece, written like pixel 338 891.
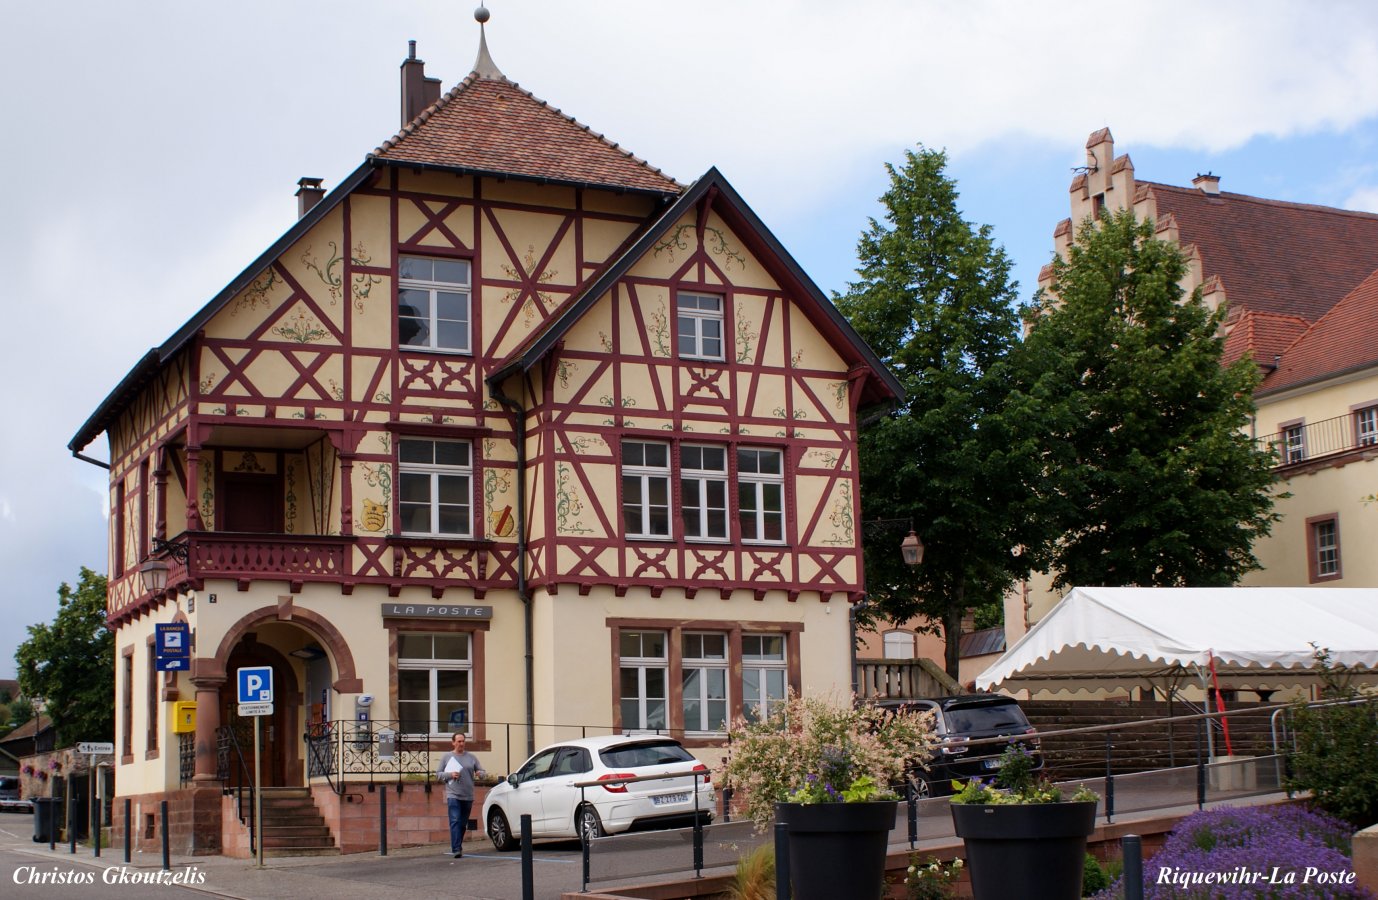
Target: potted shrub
pixel 823 769
pixel 1023 839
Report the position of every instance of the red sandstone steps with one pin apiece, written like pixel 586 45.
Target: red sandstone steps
pixel 293 826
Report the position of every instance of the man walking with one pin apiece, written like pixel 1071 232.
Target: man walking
pixel 456 772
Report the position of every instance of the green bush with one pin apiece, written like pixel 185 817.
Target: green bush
pixel 1336 749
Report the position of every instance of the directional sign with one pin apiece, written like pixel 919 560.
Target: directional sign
pixel 173 643
pixel 99 749
pixel 255 709
pixel 255 684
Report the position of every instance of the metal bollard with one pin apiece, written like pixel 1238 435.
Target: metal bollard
pixel 1133 851
pixel 1109 781
pixel 726 805
pixel 912 814
pixel 383 822
pixel 71 816
pixel 128 828
pixel 95 827
pixel 782 885
pixel 528 872
pixel 167 860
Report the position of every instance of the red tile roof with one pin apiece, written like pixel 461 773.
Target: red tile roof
pixel 489 124
pixel 1288 259
pixel 1265 335
pixel 1342 340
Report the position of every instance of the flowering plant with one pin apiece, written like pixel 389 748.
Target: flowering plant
pixel 815 750
pixel 1260 851
pixel 930 879
pixel 54 765
pixel 28 769
pixel 1015 783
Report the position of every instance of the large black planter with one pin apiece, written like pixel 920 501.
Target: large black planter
pixel 1033 852
pixel 837 849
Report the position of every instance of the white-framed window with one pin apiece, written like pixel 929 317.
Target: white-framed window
pixel 763 675
pixel 703 491
pixel 761 494
pixel 899 645
pixel 435 487
pixel 1366 426
pixel 703 676
pixel 434 683
pixel 646 489
pixel 700 326
pixel 644 666
pixel 1293 444
pixel 433 304
pixel 1326 542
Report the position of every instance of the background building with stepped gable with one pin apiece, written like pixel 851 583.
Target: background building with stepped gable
pixel 510 433
pixel 1299 284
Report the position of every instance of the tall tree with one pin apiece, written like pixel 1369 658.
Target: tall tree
pixel 70 664
pixel 1149 475
pixel 935 301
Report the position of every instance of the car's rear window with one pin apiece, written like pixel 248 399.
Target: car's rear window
pixel 9 786
pixel 985 718
pixel 644 753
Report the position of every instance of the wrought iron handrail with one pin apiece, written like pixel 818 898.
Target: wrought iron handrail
pixel 227 746
pixel 1314 440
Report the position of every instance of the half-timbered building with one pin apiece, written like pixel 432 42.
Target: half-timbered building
pixel 510 433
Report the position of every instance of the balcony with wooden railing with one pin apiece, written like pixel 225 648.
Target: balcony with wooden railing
pixel 244 556
pixel 1328 439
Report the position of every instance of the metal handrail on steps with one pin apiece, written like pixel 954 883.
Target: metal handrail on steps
pixel 227 750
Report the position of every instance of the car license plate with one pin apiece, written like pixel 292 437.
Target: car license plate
pixel 991 763
pixel 662 799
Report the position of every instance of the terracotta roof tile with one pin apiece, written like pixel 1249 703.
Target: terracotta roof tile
pixel 1120 164
pixel 1273 256
pixel 1099 137
pixel 493 125
pixel 1343 339
pixel 1264 335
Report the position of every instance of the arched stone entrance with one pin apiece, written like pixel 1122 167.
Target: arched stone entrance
pixel 281 732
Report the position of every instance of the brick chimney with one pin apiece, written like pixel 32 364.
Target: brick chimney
pixel 418 91
pixel 309 193
pixel 1208 184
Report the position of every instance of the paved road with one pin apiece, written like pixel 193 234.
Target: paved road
pixel 483 874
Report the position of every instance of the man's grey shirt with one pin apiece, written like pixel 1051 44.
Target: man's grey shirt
pixel 461 788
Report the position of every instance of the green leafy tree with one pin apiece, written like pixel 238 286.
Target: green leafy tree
pixel 1148 474
pixel 935 301
pixel 70 664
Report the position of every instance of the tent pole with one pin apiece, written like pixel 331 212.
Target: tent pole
pixel 1206 690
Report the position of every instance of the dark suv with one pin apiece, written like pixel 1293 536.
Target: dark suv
pixel 959 720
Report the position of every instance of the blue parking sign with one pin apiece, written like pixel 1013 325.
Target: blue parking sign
pixel 255 684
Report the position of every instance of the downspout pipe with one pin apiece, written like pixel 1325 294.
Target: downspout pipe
pixel 519 429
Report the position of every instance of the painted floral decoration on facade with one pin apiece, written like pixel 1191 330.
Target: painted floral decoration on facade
pixel 301 329
pixel 529 285
pixel 745 337
pixel 326 273
pixel 715 241
pixel 568 506
pixel 256 293
pixel 363 282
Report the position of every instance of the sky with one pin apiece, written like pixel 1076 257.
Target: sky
pixel 152 150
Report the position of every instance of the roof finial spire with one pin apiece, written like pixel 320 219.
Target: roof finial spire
pixel 484 67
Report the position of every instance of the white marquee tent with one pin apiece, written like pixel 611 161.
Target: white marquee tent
pixel 1258 638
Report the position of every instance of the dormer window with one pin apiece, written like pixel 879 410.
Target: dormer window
pixel 433 304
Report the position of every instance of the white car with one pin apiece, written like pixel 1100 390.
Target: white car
pixel 544 788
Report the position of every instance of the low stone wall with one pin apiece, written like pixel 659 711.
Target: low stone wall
pixel 416 817
pixel 194 823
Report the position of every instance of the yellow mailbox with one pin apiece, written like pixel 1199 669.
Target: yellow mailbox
pixel 183 716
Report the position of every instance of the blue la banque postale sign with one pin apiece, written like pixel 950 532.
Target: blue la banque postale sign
pixel 436 611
